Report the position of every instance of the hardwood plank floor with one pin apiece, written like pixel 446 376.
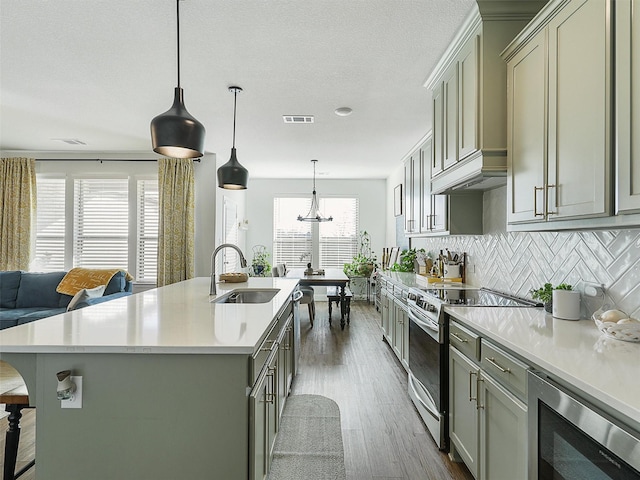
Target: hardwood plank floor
pixel 383 435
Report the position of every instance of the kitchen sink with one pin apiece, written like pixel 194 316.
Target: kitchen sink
pixel 247 295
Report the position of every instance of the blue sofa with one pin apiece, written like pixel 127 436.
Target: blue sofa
pixel 29 296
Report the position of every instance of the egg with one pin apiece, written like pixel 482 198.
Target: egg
pixel 613 316
pixel 628 320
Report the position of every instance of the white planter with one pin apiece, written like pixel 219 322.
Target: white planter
pixel 566 304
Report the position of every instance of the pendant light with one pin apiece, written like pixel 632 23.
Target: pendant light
pixel 176 133
pixel 232 175
pixel 314 214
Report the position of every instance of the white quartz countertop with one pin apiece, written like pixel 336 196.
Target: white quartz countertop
pixel 573 351
pixel 178 318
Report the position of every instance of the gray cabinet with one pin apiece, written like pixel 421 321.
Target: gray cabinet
pixel 559 88
pixel 274 363
pixel 468 88
pixel 488 413
pixel 262 419
pixel 436 215
pixel 627 106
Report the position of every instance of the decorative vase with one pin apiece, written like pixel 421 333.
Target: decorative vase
pixel 566 304
pixel 548 306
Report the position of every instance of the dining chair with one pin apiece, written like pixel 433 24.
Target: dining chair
pixel 280 270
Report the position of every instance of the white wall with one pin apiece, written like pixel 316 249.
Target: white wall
pixel 261 192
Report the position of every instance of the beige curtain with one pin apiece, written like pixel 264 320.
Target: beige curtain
pixel 176 222
pixel 17 211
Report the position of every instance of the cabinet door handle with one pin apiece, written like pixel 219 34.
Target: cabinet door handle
pixel 492 361
pixel 271 395
pixel 478 380
pixel 459 338
pixel 535 201
pixel 547 201
pixel 471 397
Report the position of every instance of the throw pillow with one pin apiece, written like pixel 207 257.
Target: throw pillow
pixel 85 294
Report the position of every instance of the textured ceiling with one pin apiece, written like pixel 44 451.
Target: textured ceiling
pixel 99 71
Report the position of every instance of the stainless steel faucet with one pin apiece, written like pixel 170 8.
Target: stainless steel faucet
pixel 243 264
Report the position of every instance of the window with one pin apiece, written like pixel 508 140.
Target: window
pixel 339 238
pixel 50 226
pixel 332 243
pixel 147 245
pixel 97 223
pixel 292 243
pixel 101 223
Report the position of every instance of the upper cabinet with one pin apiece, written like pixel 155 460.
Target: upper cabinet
pixel 468 88
pixel 436 215
pixel 627 105
pixel 559 89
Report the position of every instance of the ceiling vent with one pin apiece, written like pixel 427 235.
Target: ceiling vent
pixel 297 118
pixel 69 141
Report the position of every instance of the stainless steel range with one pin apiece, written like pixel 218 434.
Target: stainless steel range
pixel 429 343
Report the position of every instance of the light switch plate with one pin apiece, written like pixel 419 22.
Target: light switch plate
pixel 76 400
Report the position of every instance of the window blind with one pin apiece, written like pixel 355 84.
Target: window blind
pixel 101 223
pixel 147 244
pixel 50 225
pixel 292 242
pixel 339 238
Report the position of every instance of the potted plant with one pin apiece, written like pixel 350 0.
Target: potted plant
pixel 545 294
pixel 260 263
pixel 407 260
pixel 364 261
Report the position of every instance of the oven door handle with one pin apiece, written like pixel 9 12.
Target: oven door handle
pixel 434 327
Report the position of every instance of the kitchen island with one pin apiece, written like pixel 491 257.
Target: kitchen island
pixel 167 382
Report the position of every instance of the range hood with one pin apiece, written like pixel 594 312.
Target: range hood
pixel 483 170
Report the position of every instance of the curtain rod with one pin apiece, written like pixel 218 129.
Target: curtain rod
pixel 101 160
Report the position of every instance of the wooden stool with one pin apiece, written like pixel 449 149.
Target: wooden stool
pixel 13 393
pixel 333 295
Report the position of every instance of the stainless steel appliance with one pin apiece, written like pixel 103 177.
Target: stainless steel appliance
pixel 429 343
pixel 570 438
pixel 297 295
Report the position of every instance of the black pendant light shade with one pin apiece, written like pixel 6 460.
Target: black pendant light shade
pixel 176 133
pixel 232 175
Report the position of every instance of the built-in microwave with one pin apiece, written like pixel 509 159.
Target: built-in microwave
pixel 569 438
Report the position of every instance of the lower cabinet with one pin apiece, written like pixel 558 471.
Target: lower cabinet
pixel 268 397
pixel 488 419
pixel 400 337
pixel 263 413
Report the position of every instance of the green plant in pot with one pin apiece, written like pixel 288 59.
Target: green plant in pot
pixel 260 263
pixel 407 260
pixel 364 261
pixel 545 294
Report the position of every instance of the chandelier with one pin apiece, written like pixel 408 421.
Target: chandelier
pixel 314 214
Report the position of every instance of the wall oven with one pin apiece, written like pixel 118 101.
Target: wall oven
pixel 570 438
pixel 429 344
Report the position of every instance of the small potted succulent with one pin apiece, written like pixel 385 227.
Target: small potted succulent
pixel 545 294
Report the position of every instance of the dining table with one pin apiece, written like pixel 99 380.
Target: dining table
pixel 324 277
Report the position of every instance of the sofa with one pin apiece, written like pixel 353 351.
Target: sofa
pixel 29 296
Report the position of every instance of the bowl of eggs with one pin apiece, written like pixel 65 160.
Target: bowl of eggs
pixel 617 324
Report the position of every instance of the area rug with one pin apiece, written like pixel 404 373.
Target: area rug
pixel 309 443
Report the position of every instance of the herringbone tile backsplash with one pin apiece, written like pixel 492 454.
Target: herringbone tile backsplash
pixel 516 262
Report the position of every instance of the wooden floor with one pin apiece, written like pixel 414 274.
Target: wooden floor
pixel 383 435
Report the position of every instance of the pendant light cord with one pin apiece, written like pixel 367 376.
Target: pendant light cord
pixel 235 97
pixel 178 37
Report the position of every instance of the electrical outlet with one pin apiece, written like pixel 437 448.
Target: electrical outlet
pixel 592 289
pixel 76 399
